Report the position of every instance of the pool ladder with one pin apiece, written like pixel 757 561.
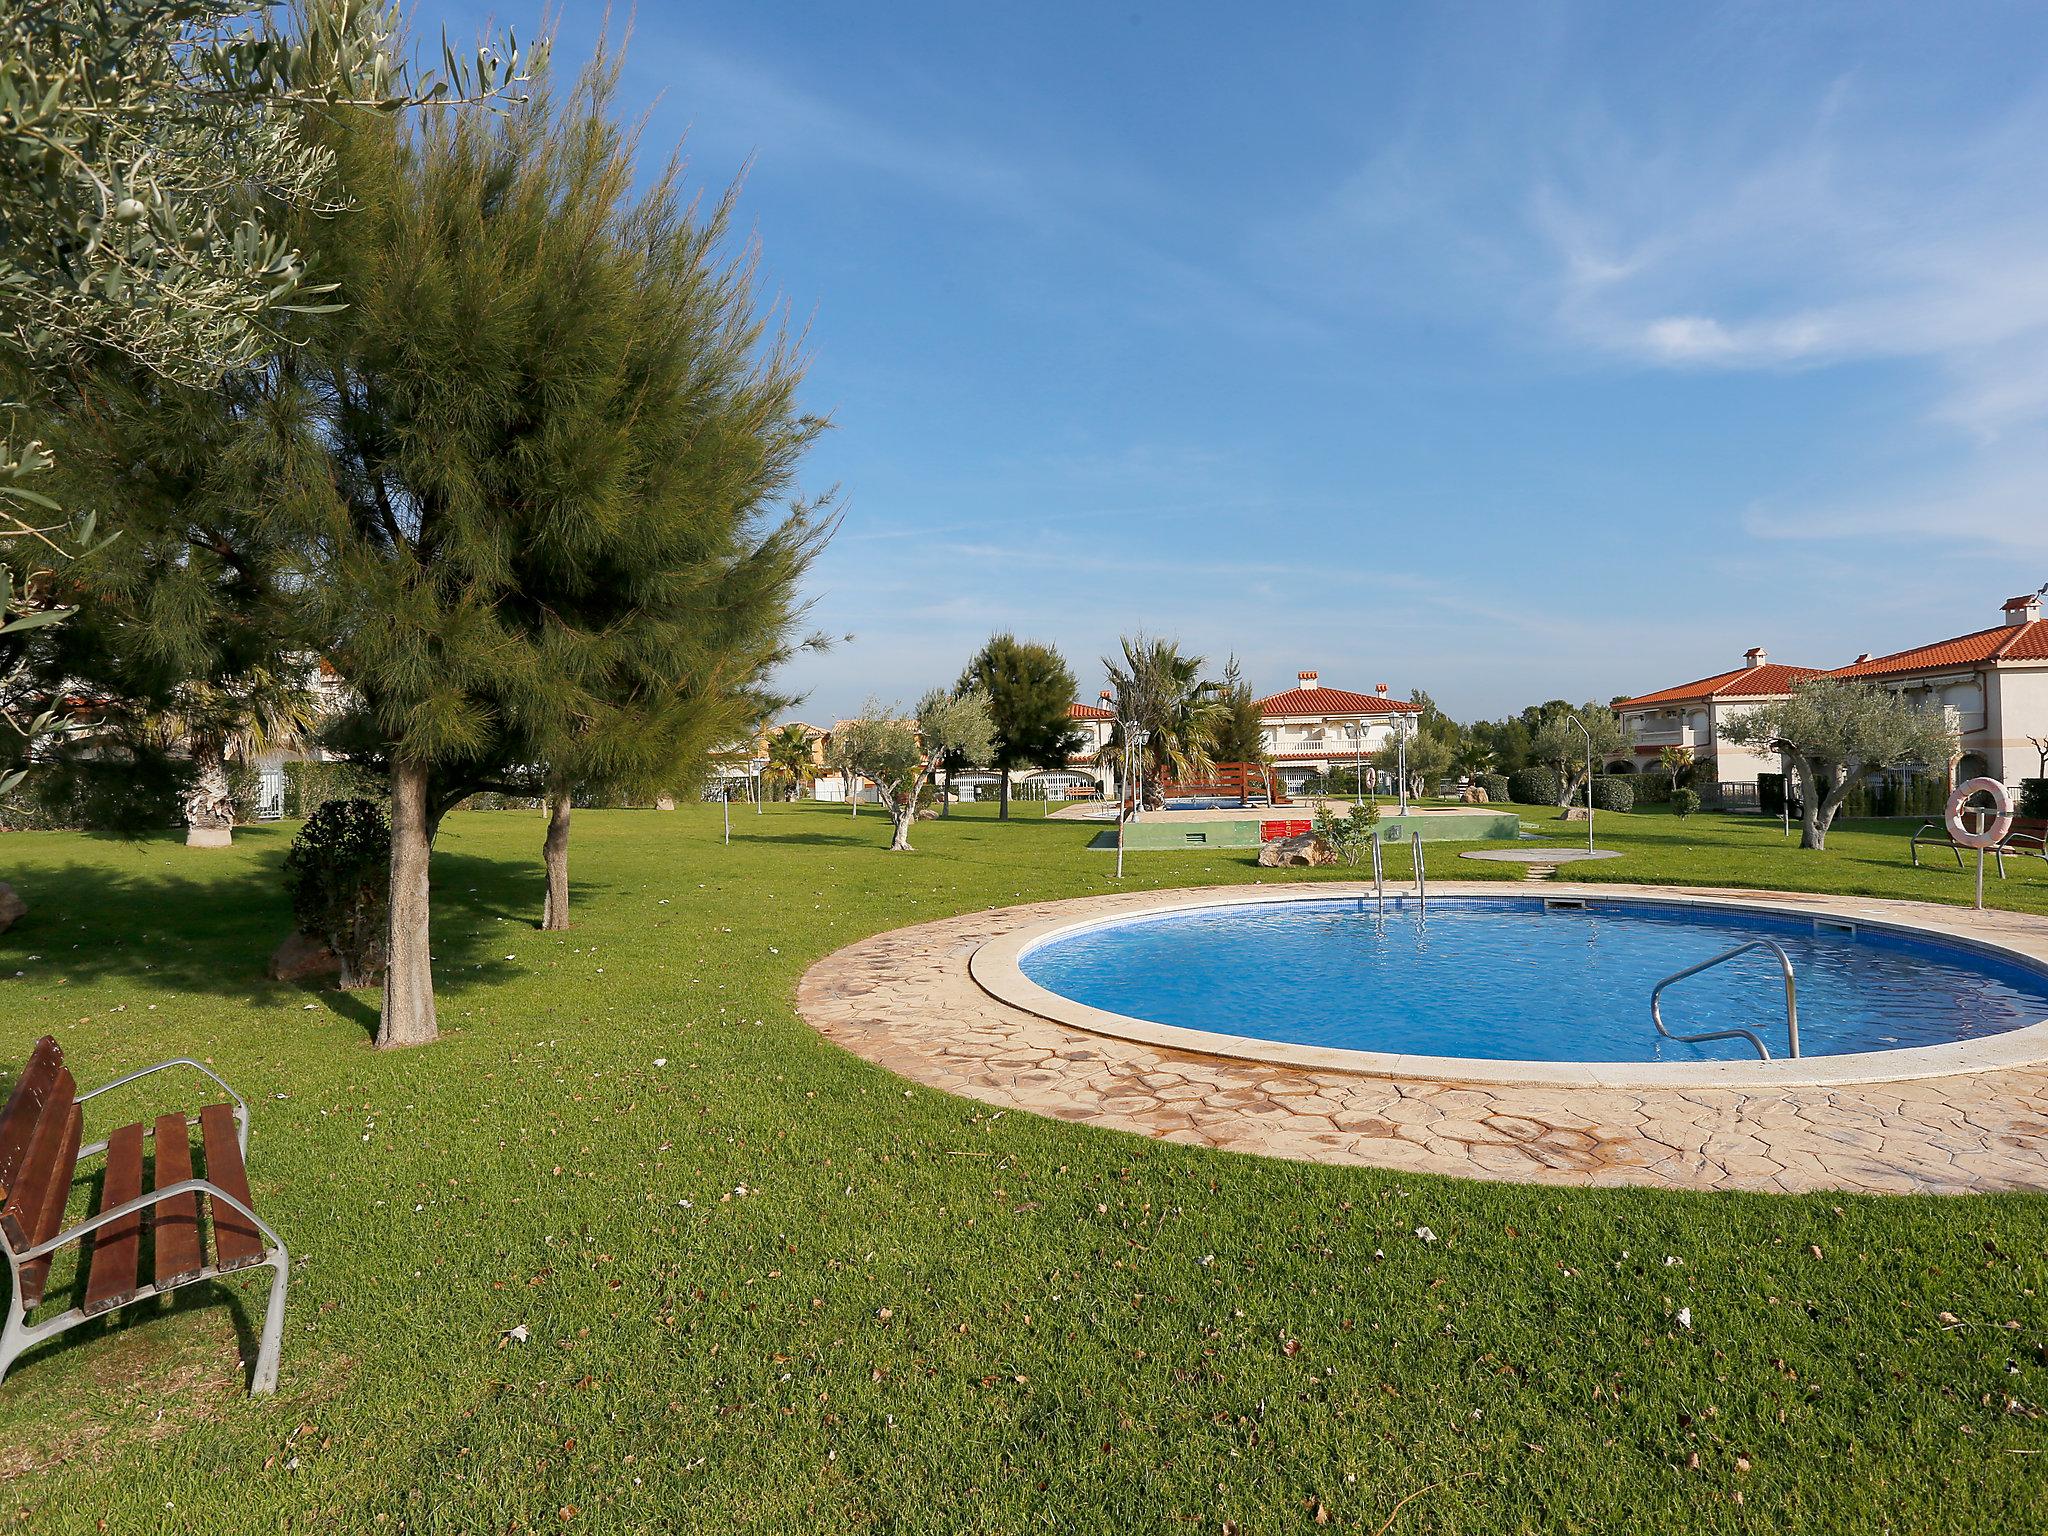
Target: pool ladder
pixel 1379 873
pixel 1762 1050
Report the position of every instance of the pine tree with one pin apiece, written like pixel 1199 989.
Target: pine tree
pixel 186 637
pixel 1030 694
pixel 1239 732
pixel 534 467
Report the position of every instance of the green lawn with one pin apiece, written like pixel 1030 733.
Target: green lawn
pixel 766 1286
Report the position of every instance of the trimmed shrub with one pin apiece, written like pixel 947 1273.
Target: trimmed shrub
pixel 1770 793
pixel 1533 786
pixel 1495 785
pixel 1613 792
pixel 339 876
pixel 2034 798
pixel 1685 802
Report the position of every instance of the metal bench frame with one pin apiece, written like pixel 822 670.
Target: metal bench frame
pixel 1935 834
pixel 17 1335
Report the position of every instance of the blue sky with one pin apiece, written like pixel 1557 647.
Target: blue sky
pixel 1503 351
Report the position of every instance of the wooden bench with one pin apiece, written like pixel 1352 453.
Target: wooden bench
pixel 40 1129
pixel 2019 844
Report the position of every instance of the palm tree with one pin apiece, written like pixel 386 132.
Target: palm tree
pixel 1163 692
pixel 227 721
pixel 789 758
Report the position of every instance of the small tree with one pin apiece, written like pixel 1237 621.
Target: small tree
pixel 902 755
pixel 858 742
pixel 1560 745
pixel 1834 732
pixel 1675 761
pixel 790 760
pixel 1238 734
pixel 1030 694
pixel 1162 690
pixel 1430 756
pixel 1350 835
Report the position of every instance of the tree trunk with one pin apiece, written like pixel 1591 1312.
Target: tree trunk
pixel 554 852
pixel 408 1014
pixel 946 794
pixel 1816 807
pixel 902 816
pixel 210 805
pixel 1003 796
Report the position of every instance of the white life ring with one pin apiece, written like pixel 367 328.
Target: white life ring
pixel 2001 821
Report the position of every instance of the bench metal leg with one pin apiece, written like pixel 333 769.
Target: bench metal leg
pixel 13 1338
pixel 263 1379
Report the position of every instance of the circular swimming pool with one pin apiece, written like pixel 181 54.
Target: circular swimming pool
pixel 1519 980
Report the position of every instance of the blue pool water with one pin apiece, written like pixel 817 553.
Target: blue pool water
pixel 1508 979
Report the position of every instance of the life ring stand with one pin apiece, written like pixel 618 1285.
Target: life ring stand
pixel 2001 821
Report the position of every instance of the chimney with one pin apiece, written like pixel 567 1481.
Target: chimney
pixel 1380 689
pixel 1755 657
pixel 2023 610
pixel 1861 657
pixel 1307 680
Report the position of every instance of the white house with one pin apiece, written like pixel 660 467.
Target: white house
pixel 1311 729
pixel 1994 679
pixel 1697 714
pixel 1994 682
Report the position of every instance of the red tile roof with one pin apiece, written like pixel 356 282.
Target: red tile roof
pixel 1089 712
pixel 1743 683
pixel 2001 642
pixel 1327 701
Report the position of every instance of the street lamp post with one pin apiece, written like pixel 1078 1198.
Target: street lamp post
pixel 1401 734
pixel 1358 762
pixel 1588 734
pixel 1126 776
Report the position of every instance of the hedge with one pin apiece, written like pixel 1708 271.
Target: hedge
pixel 1770 793
pixel 1652 786
pixel 2034 798
pixel 308 786
pixel 1613 792
pixel 1533 786
pixel 1495 785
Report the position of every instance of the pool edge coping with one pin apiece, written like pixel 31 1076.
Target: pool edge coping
pixel 994 967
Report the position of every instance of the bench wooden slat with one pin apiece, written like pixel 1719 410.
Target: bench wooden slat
pixel 25 1108
pixel 236 1242
pixel 179 1255
pixel 117 1247
pixel 54 1174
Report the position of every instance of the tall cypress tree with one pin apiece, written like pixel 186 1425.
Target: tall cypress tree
pixel 1030 692
pixel 535 467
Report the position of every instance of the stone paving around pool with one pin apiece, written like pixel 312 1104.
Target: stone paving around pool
pixel 906 1001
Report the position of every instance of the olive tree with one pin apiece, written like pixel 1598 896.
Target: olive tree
pixel 1833 732
pixel 1561 745
pixel 902 756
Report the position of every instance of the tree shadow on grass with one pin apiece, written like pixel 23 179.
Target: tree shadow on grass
pixel 208 930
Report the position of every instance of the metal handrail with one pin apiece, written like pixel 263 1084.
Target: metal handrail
pixel 1791 1000
pixel 1421 885
pixel 1379 875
